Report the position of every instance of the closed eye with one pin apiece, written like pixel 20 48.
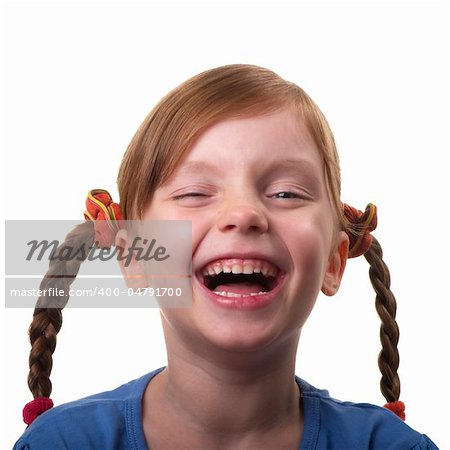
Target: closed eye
pixel 189 194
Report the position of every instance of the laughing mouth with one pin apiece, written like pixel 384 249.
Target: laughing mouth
pixel 240 278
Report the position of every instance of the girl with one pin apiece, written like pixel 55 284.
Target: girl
pixel 250 160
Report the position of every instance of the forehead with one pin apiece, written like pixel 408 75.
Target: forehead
pixel 279 138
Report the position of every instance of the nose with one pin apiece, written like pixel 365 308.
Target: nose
pixel 243 216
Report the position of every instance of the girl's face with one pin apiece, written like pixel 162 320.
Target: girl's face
pixel 254 189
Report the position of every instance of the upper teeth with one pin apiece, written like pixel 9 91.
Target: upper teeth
pixel 238 266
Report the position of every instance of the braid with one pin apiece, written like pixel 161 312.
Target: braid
pixel 388 359
pixel 47 320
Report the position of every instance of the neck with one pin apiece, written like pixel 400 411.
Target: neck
pixel 225 393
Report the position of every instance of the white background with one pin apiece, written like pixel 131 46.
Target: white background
pixel 78 79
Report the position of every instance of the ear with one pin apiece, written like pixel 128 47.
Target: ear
pixel 336 265
pixel 130 267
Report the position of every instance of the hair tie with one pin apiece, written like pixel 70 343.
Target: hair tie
pixel 397 408
pixel 106 215
pixel 35 408
pixel 360 225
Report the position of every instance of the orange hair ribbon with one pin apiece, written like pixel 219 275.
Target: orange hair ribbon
pixel 106 215
pixel 361 224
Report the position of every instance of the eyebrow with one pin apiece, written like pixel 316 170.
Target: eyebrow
pixel 197 166
pixel 295 164
pixel 302 167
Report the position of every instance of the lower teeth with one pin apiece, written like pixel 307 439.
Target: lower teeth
pixel 233 294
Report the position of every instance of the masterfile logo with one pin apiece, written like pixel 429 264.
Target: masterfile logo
pixel 49 262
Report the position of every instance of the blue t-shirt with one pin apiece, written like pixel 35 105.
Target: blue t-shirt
pixel 113 420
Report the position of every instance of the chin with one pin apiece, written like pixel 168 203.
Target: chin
pixel 240 334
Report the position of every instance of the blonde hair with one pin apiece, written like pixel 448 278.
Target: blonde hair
pixel 236 90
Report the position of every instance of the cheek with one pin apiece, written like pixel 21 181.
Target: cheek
pixel 307 242
pixel 158 211
pixel 311 231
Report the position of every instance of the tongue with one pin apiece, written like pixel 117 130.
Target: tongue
pixel 240 288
